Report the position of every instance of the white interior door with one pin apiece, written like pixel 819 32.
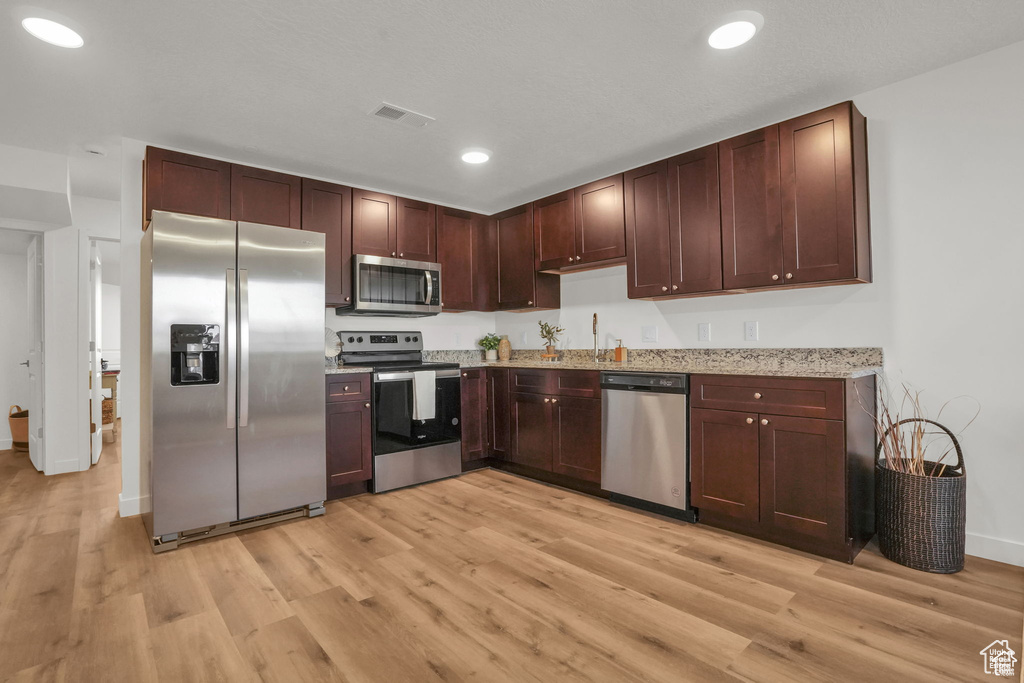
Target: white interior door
pixel 95 347
pixel 35 352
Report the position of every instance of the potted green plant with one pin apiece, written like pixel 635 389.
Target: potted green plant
pixel 490 344
pixel 549 333
pixel 920 502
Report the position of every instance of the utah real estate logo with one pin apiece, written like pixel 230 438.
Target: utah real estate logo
pixel 999 659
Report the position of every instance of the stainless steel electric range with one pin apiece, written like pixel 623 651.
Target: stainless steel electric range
pixel 416 416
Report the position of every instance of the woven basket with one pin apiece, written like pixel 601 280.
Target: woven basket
pixel 18 420
pixel 921 519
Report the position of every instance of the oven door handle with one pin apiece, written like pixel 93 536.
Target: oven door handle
pixel 407 376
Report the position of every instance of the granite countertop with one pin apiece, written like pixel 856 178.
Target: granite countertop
pixel 834 363
pixel 347 370
pixel 737 368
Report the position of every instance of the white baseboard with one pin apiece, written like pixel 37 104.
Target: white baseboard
pixel 998 549
pixel 65 466
pixel 6 444
pixel 128 507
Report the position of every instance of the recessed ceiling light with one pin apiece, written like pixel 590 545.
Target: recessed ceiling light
pixel 52 32
pixel 736 29
pixel 476 156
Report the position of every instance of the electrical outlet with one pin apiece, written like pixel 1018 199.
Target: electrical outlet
pixel 649 334
pixel 750 331
pixel 704 332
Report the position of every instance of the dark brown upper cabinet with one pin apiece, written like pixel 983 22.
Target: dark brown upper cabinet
pixel 463 254
pixel 648 259
pixel 416 233
pixel 600 221
pixel 327 209
pixel 185 183
pixel 267 197
pixel 823 160
pixel 519 285
pixel 554 231
pixel 374 223
pixel 751 210
pixel 695 224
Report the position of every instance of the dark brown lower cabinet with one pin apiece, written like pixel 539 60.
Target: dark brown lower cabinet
pixel 576 437
pixel 349 447
pixel 530 430
pixel 474 414
pixel 804 482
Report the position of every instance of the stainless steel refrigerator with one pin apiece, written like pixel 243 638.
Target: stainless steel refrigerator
pixel 233 430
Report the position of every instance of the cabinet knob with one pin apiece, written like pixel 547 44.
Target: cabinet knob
pixel 402 255
pixel 578 258
pixel 750 420
pixel 764 421
pixel 547 400
pixel 675 287
pixel 392 253
pixel 775 277
pixel 530 303
pixel 348 298
pixel 570 259
pixel 465 374
pixel 757 394
pixel 366 405
pixel 346 388
pixel 789 276
pixel 554 400
pixel 664 289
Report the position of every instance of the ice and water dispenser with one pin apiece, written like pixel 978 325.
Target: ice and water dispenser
pixel 195 351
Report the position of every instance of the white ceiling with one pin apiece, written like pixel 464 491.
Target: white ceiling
pixel 562 92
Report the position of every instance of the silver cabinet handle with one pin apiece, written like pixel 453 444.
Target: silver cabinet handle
pixel 366 405
pixel 402 255
pixel 675 287
pixel 664 289
pixel 547 400
pixel 570 259
pixel 346 388
pixel 789 276
pixel 554 400
pixel 230 337
pixel 578 258
pixel 529 303
pixel 750 420
pixel 243 347
pixel 775 277
pixel 430 288
pixel 764 421
pixel 392 254
pixel 757 394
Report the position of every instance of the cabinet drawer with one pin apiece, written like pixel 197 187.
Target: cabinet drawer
pixel 530 381
pixel 581 383
pixel 821 398
pixel 348 388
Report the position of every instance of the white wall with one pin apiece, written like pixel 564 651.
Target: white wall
pixel 946 201
pixel 14 386
pixel 111 325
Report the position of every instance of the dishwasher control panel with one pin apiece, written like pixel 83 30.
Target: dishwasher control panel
pixel 661 382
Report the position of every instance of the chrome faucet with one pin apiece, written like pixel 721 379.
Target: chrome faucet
pixel 596 358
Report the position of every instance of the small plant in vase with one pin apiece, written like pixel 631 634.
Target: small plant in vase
pixel 490 344
pixel 549 333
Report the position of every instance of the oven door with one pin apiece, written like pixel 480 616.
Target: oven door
pixel 397 287
pixel 394 428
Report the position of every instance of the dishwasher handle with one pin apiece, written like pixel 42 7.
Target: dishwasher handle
pixel 659 383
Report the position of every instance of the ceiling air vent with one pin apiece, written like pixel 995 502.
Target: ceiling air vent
pixel 390 112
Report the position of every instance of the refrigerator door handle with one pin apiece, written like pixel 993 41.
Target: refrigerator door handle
pixel 231 318
pixel 430 288
pixel 243 347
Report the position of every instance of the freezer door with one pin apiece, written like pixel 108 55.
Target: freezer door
pixel 192 438
pixel 281 425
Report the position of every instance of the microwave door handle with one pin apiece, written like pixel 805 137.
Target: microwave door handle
pixel 430 288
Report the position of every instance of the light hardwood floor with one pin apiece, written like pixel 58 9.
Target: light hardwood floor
pixel 487 577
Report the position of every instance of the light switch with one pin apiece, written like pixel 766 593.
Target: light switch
pixel 750 331
pixel 649 334
pixel 704 332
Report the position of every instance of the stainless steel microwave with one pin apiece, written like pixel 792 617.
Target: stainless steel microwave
pixel 394 287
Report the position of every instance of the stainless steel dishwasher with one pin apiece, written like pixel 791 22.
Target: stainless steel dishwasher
pixel 644 441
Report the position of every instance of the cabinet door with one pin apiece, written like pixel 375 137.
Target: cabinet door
pixel 751 209
pixel 458 252
pixel 576 431
pixel 695 221
pixel 516 286
pixel 267 197
pixel 184 183
pixel 474 414
pixel 724 462
pixel 498 412
pixel 374 223
pixel 803 487
pixel 600 221
pixel 349 449
pixel 818 230
pixel 416 238
pixel 554 231
pixel 648 260
pixel 327 208
pixel 530 428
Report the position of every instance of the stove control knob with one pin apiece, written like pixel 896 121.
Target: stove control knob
pixel 408 339
pixel 351 339
pixel 415 339
pixel 359 339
